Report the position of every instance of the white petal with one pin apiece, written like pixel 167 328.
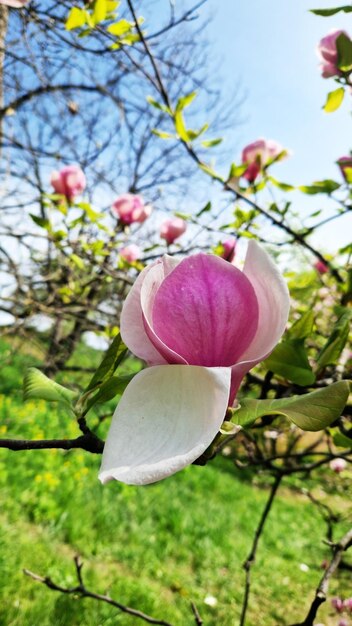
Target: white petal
pixel 132 325
pixel 167 417
pixel 273 299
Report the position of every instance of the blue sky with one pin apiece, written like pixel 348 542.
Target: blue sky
pixel 269 46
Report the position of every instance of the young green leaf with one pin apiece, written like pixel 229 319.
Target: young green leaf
pixel 212 142
pixel 313 411
pixel 331 351
pixel 334 100
pixel 320 186
pixel 37 385
pixel 329 12
pixel 303 327
pixel 344 51
pixel 111 388
pixel 76 18
pixel 289 360
pixel 100 11
pixel 41 221
pixel 180 126
pixel 110 362
pixel 185 101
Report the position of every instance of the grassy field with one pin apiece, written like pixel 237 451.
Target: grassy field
pixel 155 548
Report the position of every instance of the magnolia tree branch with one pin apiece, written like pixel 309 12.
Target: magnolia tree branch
pixel 88 441
pixel 323 587
pixel 158 83
pixel 82 591
pixel 251 556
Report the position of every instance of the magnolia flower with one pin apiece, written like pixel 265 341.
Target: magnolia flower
pixel 130 208
pixel 70 181
pixel 345 165
pixel 327 51
pixel 337 604
pixel 229 248
pixel 257 155
pixel 321 267
pixel 200 324
pixel 347 604
pixel 338 465
pixel 17 4
pixel 130 253
pixel 172 229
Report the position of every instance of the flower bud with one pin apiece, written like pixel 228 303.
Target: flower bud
pixel 229 247
pixel 130 208
pixel 321 267
pixel 70 181
pixel 327 51
pixel 345 165
pixel 130 253
pixel 338 465
pixel 172 229
pixel 257 155
pixel 337 604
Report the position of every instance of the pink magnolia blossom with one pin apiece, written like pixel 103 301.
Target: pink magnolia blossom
pixel 345 165
pixel 130 208
pixel 347 604
pixel 337 604
pixel 321 267
pixel 327 52
pixel 172 229
pixel 17 4
pixel 200 324
pixel 257 155
pixel 343 622
pixel 338 465
pixel 70 181
pixel 130 253
pixel 229 249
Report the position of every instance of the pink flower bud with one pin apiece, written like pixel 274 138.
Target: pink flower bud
pixel 172 229
pixel 343 622
pixel 321 267
pixel 327 51
pixel 345 165
pixel 17 4
pixel 257 155
pixel 130 253
pixel 229 246
pixel 337 604
pixel 69 181
pixel 338 465
pixel 347 605
pixel 130 208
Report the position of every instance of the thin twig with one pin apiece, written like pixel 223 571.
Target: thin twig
pixel 88 442
pixel 197 617
pixel 251 557
pixel 323 587
pixel 83 592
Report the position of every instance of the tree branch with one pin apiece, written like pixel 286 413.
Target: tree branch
pixel 88 441
pixel 83 592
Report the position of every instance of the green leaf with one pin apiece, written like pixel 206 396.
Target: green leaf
pixel 120 28
pixel 236 171
pixel 108 391
pixel 280 185
pixel 334 100
pixel 303 327
pixel 76 18
pixel 100 11
pixel 344 51
pixel 289 360
pixel 41 221
pixel 110 362
pixel 320 186
pixel 162 134
pixel 37 385
pixel 313 411
pixel 77 261
pixel 185 101
pixel 180 126
pixel 158 105
pixel 342 441
pixel 212 142
pixel 331 351
pixel 205 209
pixel 329 12
pixel 208 170
pixel 94 216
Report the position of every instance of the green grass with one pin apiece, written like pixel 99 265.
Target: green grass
pixel 155 548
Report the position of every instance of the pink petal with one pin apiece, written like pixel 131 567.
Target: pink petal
pixel 132 324
pixel 167 418
pixel 274 304
pixel 206 311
